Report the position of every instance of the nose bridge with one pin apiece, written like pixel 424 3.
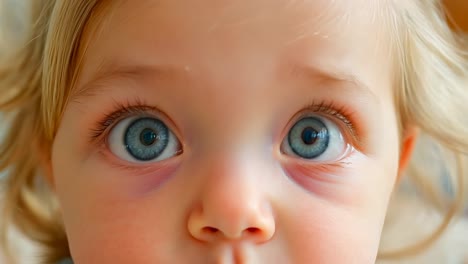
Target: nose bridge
pixel 232 189
pixel 232 203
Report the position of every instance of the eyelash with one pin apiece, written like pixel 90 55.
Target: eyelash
pixel 123 110
pixel 340 112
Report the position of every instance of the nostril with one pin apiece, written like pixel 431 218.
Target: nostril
pixel 252 230
pixel 209 230
pixel 249 232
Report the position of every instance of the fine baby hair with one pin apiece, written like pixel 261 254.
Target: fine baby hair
pixel 48 107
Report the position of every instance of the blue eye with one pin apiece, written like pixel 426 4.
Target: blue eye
pixel 314 138
pixel 309 138
pixel 146 138
pixel 142 140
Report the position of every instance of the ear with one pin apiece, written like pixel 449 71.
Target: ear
pixel 409 142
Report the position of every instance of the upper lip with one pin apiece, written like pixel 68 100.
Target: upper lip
pixel 231 253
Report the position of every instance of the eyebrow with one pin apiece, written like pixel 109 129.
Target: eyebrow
pixel 109 72
pixel 334 76
pixel 314 74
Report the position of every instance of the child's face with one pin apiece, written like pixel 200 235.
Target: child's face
pixel 255 131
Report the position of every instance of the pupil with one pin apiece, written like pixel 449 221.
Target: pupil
pixel 148 137
pixel 309 136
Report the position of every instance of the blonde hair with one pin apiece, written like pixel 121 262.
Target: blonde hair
pixel 36 81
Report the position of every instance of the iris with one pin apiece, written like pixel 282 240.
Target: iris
pixel 146 138
pixel 309 138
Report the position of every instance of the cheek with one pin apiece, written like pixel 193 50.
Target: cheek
pixel 334 237
pixel 108 213
pixel 108 219
pixel 322 232
pixel 344 227
pixel 128 232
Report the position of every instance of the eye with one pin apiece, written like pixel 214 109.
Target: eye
pixel 315 138
pixel 143 140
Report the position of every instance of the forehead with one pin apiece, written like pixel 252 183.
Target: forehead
pixel 337 34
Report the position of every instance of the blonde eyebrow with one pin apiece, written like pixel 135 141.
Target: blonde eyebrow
pixel 333 76
pixel 130 72
pixel 174 73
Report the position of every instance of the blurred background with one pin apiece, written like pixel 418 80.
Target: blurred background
pixel 458 10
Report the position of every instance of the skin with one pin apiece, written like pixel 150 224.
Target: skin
pixel 230 82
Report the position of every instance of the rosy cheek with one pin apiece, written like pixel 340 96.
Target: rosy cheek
pixel 339 182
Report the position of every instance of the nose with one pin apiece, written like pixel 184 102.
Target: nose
pixel 232 207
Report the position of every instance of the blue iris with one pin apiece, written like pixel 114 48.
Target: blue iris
pixel 146 138
pixel 309 138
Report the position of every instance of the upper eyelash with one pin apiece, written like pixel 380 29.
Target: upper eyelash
pixel 123 111
pixel 342 113
pixel 138 107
